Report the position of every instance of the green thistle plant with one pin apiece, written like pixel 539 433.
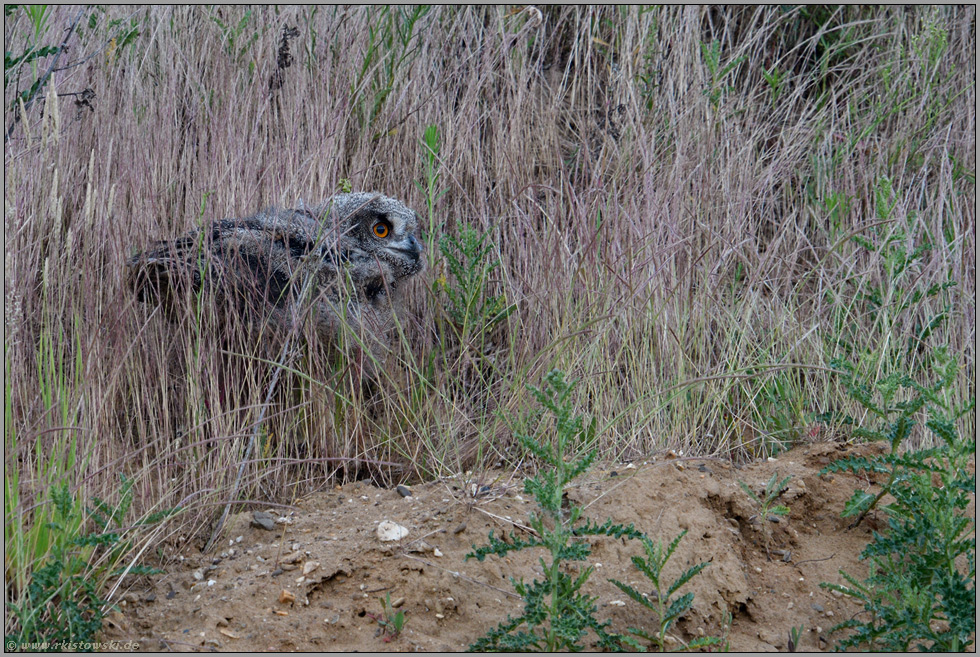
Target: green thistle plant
pixel 557 615
pixel 62 603
pixel 667 609
pixel 920 593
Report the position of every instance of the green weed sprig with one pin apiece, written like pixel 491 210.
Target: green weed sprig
pixel 557 615
pixel 895 401
pixel 62 602
pixel 766 503
pixel 921 589
pixel 390 621
pixel 667 609
pixel 471 260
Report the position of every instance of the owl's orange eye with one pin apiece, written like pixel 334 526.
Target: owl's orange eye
pixel 381 229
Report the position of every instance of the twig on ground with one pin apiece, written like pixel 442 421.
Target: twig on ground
pixel 456 573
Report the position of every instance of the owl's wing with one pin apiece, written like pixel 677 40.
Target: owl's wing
pixel 259 260
pixel 167 269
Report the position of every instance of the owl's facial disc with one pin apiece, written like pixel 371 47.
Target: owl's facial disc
pixel 404 248
pixel 395 241
pixel 381 236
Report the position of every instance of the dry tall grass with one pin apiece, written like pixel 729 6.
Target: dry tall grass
pixel 672 195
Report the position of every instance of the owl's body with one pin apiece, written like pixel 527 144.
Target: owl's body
pixel 339 262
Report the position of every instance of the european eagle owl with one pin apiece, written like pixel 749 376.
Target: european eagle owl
pixel 340 262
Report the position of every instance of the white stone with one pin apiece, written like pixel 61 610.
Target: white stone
pixel 390 531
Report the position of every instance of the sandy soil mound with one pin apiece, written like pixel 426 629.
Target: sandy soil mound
pixel 313 582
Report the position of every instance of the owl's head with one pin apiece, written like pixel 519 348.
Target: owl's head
pixel 377 236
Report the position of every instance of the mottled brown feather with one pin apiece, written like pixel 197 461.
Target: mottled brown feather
pixel 281 267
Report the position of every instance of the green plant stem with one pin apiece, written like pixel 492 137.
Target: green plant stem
pixel 44 78
pixel 884 491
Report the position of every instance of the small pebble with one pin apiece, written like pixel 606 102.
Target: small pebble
pixel 404 491
pixel 291 558
pixel 263 520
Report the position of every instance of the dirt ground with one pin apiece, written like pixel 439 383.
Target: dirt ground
pixel 314 582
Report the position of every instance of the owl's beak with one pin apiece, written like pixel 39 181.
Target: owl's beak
pixel 410 249
pixel 415 245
